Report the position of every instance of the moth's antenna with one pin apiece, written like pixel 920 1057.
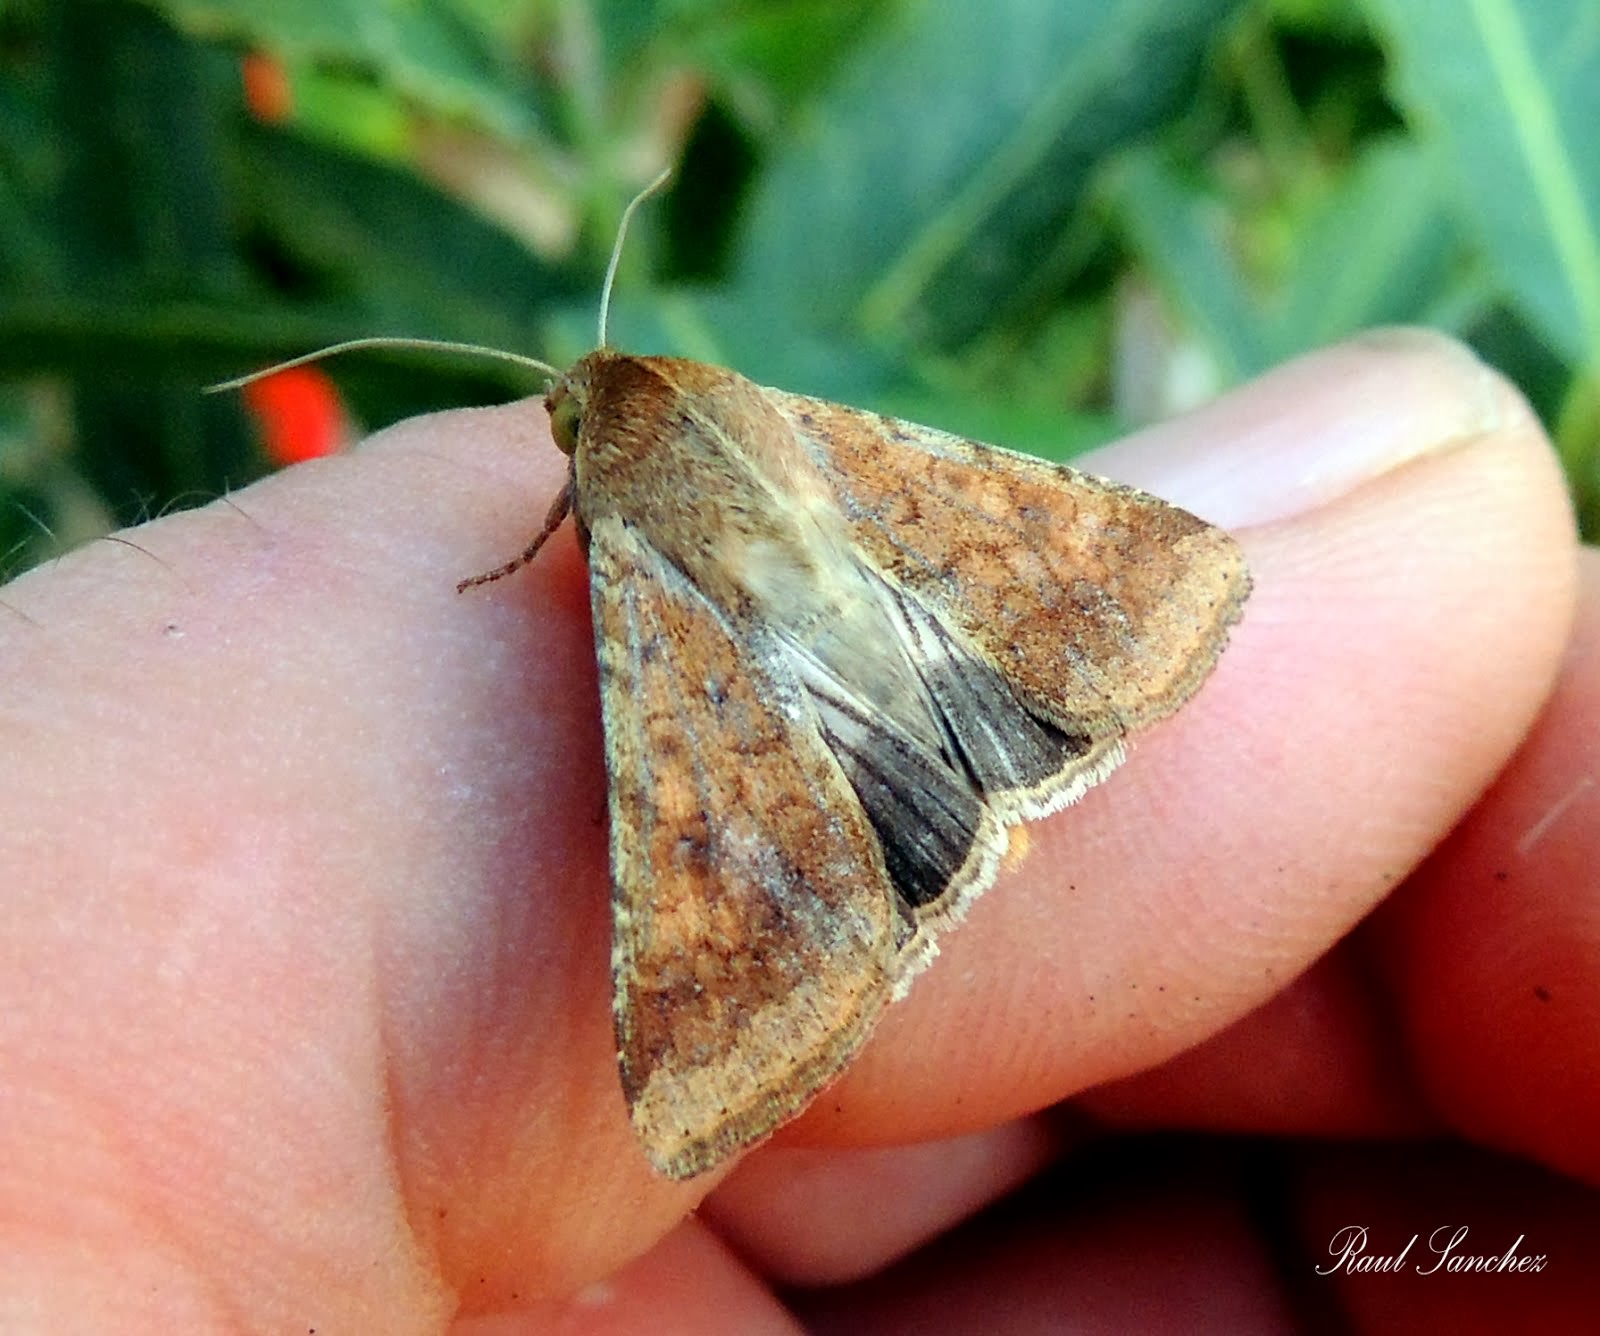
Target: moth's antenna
pixel 464 349
pixel 390 341
pixel 616 247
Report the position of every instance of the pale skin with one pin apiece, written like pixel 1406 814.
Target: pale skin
pixel 303 980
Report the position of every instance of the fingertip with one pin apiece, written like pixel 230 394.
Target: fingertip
pixel 1317 428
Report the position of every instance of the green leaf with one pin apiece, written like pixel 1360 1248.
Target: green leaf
pixel 141 217
pixel 1376 249
pixel 139 200
pixel 1374 246
pixel 404 256
pixel 437 53
pixel 917 198
pixel 1506 94
pixel 29 151
pixel 766 58
pixel 1182 232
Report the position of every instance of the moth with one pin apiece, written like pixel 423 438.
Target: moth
pixel 839 656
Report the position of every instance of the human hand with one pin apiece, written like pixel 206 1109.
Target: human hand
pixel 305 1024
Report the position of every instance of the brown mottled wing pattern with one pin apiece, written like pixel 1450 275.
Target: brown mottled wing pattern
pixel 1106 606
pixel 754 927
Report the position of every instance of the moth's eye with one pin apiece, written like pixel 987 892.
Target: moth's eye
pixel 565 420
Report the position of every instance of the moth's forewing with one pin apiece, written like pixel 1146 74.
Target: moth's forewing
pixel 753 923
pixel 1106 605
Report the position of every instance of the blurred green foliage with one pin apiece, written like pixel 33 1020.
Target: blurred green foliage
pixel 1033 221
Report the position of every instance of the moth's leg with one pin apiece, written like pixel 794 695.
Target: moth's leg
pixel 559 509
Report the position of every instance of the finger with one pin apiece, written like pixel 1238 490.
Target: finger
pixel 1177 1235
pixel 690 1283
pixel 815 1217
pixel 1321 1058
pixel 293 966
pixel 1493 952
pixel 1169 1247
pixel 1464 1003
pixel 1347 729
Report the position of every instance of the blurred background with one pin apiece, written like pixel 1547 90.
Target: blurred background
pixel 1036 222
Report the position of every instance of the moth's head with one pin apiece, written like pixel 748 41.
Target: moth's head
pixel 568 399
pixel 565 406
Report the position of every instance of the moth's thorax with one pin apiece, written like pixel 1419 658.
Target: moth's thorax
pixel 697 459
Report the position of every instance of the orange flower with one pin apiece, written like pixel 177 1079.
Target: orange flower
pixel 299 414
